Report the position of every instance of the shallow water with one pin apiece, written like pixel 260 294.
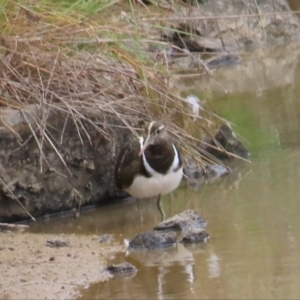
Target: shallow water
pixel 253 215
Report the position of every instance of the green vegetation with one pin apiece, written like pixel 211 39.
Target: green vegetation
pixel 249 123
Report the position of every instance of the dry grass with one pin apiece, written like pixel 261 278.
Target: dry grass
pixel 87 59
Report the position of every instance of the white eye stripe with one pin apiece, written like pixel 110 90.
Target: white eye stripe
pixel 159 129
pixel 153 130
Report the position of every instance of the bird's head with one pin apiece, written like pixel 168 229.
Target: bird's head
pixel 154 132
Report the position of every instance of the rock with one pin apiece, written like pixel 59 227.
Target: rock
pixel 123 269
pixel 90 166
pixel 35 188
pixel 196 43
pixel 153 240
pixel 223 60
pixel 189 219
pixel 165 234
pixel 105 238
pixel 195 236
pixel 229 141
pixel 58 242
pixel 198 176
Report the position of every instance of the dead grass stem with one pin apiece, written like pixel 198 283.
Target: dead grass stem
pixel 66 57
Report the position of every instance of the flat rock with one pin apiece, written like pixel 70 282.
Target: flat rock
pixel 186 227
pixel 195 236
pixel 153 240
pixel 223 60
pixel 105 238
pixel 198 176
pixel 58 242
pixel 227 138
pixel 124 269
pixel 183 221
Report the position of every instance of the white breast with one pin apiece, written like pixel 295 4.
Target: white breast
pixel 157 184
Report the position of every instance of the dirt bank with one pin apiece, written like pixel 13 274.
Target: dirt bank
pixel 72 171
pixel 61 130
pixel 32 270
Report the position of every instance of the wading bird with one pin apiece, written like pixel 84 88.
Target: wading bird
pixel 149 167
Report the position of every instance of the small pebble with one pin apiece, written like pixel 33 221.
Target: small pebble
pixel 58 242
pixel 105 238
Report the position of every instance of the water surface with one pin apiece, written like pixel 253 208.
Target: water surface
pixel 253 215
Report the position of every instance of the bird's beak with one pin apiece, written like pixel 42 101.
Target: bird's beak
pixel 148 141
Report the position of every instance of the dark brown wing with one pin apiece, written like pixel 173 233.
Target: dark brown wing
pixel 128 164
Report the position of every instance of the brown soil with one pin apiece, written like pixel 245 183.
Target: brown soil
pixel 31 270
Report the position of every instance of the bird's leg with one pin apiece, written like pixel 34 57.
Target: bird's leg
pixel 160 208
pixel 171 198
pixel 138 204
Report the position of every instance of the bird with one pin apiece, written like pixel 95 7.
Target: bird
pixel 151 166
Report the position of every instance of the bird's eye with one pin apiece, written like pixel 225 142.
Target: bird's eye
pixel 158 130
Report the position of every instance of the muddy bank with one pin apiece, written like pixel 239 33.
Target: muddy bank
pixel 233 24
pixel 35 271
pixel 222 29
pixel 33 172
pixel 257 72
pixel 72 165
pixel 62 266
